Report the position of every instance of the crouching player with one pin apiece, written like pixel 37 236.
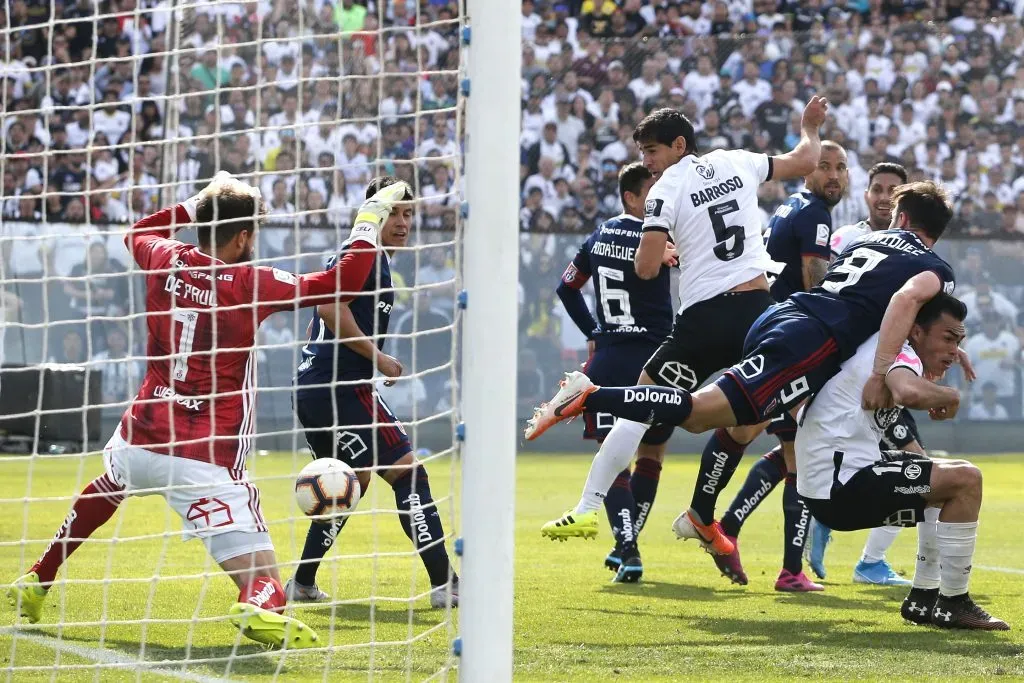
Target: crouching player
pixel 634 317
pixel 848 483
pixel 189 430
pixel 342 415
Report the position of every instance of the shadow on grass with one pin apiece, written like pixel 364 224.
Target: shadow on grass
pixel 248 659
pixel 164 657
pixel 381 613
pixel 730 592
pixel 673 591
pixel 827 632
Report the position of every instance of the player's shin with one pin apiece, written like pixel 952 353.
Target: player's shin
pixel 620 507
pixel 717 464
pixel 613 457
pixel 94 506
pixel 422 523
pixel 319 539
pixel 644 485
pixel 956 541
pixel 796 518
pixel 879 540
pixel 762 479
pixel 264 592
pixel 926 572
pixel 645 403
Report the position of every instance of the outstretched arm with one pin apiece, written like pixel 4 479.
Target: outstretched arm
pixel 276 290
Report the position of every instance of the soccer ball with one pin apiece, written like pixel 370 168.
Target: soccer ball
pixel 327 488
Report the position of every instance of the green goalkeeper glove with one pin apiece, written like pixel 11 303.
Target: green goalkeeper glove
pixel 375 210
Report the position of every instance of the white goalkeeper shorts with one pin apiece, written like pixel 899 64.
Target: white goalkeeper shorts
pixel 212 501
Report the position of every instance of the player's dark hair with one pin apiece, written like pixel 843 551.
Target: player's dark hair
pixel 939 304
pixel 221 216
pixel 631 179
pixel 382 181
pixel 663 126
pixel 887 167
pixel 926 205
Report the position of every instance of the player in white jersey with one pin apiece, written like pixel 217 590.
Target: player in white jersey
pixel 849 483
pixel 707 206
pixel 883 178
pixel 872 568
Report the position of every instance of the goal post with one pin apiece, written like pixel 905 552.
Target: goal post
pixel 490 276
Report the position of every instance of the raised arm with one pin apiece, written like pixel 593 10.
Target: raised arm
pixel 801 160
pixel 144 237
pixel 275 290
pixel 896 323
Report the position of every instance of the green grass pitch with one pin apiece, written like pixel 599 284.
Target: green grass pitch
pixel 683 621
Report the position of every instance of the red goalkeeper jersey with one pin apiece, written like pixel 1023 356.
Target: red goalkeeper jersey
pixel 197 399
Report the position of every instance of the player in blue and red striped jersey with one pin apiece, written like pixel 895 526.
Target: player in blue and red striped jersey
pixel 344 417
pixel 634 316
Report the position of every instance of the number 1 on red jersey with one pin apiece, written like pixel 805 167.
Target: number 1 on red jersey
pixel 188 319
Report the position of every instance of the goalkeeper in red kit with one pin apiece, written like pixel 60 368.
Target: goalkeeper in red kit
pixel 188 431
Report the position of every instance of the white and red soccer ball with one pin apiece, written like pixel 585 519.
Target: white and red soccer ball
pixel 327 488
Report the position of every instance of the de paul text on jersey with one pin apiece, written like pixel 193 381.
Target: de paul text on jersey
pixel 201 295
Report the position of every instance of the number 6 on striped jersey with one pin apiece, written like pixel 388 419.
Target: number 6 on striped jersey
pixel 188 319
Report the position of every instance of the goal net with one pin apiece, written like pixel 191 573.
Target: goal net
pixel 113 109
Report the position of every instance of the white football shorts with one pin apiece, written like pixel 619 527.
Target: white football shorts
pixel 210 500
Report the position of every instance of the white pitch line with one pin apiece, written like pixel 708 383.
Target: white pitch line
pixel 1005 570
pixel 102 656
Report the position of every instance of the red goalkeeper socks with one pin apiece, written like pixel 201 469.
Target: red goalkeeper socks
pixel 94 506
pixel 265 592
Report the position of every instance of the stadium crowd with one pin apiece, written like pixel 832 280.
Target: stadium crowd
pixel 112 108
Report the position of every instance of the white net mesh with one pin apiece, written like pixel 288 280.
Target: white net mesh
pixel 114 109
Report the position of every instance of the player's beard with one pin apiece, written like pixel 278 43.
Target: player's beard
pixel 246 256
pixel 833 193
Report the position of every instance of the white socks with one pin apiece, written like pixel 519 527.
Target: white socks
pixel 926 574
pixel 956 553
pixel 614 456
pixel 880 539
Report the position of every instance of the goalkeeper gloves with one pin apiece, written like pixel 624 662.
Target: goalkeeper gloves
pixel 375 210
